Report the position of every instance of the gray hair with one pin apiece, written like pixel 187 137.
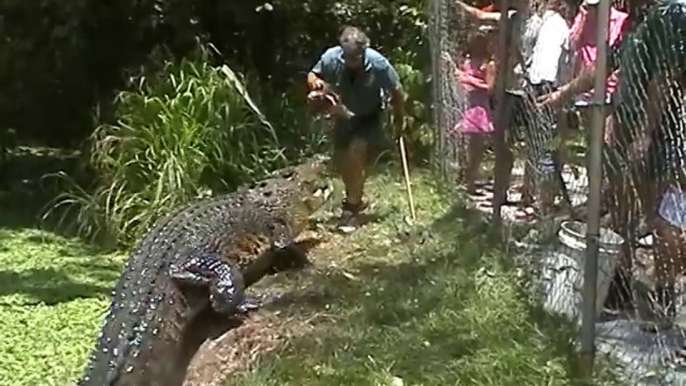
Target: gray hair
pixel 353 40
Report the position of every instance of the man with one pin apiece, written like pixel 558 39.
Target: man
pixel 651 59
pixel 361 77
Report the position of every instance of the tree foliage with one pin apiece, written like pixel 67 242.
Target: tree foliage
pixel 59 59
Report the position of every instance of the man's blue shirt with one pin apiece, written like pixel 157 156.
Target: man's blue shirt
pixel 365 95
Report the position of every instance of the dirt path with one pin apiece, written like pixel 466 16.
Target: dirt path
pixel 296 310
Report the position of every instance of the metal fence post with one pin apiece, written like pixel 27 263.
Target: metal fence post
pixel 594 197
pixel 436 42
pixel 501 120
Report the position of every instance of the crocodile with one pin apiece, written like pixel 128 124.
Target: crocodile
pixel 192 261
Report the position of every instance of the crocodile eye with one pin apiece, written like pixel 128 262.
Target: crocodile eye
pixel 288 174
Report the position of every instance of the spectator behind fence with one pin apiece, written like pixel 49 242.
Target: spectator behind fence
pixel 583 43
pixel 547 63
pixel 665 133
pixel 540 66
pixel 524 24
pixel 477 76
pixel 644 128
pixel 551 47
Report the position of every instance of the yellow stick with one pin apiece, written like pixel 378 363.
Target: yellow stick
pixel 406 172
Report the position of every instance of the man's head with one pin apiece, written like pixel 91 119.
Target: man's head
pixel 354 42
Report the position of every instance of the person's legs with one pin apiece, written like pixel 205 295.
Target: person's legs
pixel 548 162
pixel 356 160
pixel 670 251
pixel 618 196
pixel 356 144
pixel 476 150
pixel 504 156
pixel 349 151
pixel 668 261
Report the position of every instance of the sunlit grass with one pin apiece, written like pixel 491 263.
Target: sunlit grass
pixel 53 295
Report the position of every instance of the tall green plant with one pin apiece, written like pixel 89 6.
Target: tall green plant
pixel 190 130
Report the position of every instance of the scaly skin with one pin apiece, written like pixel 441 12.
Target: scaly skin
pixel 191 262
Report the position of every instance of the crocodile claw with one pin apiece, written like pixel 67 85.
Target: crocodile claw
pixel 224 281
pixel 249 304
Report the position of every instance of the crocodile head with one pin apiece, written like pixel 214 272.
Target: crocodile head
pixel 309 184
pixel 296 191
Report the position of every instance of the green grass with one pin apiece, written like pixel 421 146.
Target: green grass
pixel 53 295
pixel 428 304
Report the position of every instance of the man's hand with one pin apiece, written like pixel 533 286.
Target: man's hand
pixel 400 128
pixel 555 99
pixel 315 83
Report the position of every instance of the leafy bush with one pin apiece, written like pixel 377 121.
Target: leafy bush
pixel 190 130
pixel 58 60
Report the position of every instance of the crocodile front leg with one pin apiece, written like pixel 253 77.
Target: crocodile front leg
pixel 224 281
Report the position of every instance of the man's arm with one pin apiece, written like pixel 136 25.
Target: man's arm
pixel 317 76
pixel 398 105
pixel 477 13
pixel 490 75
pixel 583 82
pixel 390 81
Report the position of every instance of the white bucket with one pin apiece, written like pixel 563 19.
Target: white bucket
pixel 563 269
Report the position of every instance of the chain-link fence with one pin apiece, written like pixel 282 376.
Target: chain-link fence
pixel 502 127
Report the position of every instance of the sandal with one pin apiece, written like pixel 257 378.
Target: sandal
pixel 677 359
pixel 525 213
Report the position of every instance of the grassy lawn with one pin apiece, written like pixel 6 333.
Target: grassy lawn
pixel 53 295
pixel 392 304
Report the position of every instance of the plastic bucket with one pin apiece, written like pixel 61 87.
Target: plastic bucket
pixel 565 266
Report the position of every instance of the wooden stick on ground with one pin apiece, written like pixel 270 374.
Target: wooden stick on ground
pixel 406 172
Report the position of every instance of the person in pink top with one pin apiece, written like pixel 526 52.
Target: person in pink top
pixel 477 76
pixel 583 43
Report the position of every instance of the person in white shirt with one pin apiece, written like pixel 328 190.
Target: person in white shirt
pixel 547 64
pixel 551 47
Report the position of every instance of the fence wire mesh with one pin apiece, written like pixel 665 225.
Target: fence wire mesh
pixel 640 288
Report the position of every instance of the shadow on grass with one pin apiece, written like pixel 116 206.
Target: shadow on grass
pixel 51 286
pixel 49 269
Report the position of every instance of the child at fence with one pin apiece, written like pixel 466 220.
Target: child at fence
pixel 477 76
